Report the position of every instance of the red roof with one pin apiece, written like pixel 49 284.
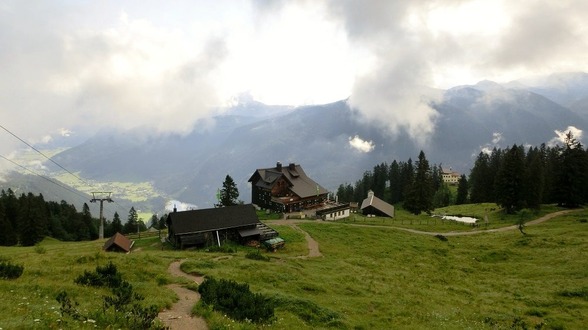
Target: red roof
pixel 118 242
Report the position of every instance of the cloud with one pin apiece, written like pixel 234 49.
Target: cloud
pixel 496 137
pixel 560 136
pixel 180 206
pixel 488 147
pixel 361 145
pixel 124 72
pixel 87 66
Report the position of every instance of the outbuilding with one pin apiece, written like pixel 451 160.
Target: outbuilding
pixel 213 226
pixel 372 205
pixel 118 243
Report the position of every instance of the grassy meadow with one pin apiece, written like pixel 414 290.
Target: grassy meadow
pixel 367 278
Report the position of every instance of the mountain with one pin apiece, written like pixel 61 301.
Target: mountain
pixel 253 135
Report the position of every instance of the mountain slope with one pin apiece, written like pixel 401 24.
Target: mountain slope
pixel 192 167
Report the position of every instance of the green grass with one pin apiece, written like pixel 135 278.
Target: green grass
pixel 368 278
pixel 423 222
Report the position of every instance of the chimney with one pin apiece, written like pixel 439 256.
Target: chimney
pixel 175 208
pixel 279 166
pixel 370 194
pixel 292 166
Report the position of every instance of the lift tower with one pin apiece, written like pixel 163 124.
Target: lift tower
pixel 101 196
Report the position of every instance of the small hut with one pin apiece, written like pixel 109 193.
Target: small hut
pixel 118 243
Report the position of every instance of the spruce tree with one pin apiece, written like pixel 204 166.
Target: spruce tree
pixel 229 193
pixel 462 190
pixel 510 180
pixel 116 226
pixel 420 193
pixel 572 175
pixel 395 183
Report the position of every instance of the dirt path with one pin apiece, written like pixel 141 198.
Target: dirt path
pixel 313 245
pixel 179 316
pixel 475 232
pixel 292 223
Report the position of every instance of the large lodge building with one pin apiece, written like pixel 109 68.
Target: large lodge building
pixel 285 189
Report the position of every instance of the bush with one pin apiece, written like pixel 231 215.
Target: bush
pixel 120 310
pixel 236 300
pixel 256 255
pixel 9 271
pixel 107 276
pixel 39 249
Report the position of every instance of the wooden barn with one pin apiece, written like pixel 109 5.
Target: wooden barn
pixel 372 205
pixel 285 189
pixel 118 243
pixel 208 227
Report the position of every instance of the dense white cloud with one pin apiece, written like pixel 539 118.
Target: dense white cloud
pixel 361 145
pixel 160 67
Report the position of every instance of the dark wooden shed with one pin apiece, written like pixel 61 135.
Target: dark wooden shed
pixel 118 243
pixel 212 226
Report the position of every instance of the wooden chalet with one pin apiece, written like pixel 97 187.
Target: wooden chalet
pixel 372 205
pixel 208 227
pixel 285 189
pixel 118 243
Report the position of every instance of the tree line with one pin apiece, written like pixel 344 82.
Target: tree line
pixel 514 178
pixel 25 220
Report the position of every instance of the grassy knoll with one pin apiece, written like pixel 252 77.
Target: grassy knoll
pixel 368 278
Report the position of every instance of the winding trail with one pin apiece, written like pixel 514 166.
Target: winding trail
pixel 313 245
pixel 474 232
pixel 179 316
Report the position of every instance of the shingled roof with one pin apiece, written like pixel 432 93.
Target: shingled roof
pixel 372 202
pixel 300 183
pixel 118 242
pixel 196 221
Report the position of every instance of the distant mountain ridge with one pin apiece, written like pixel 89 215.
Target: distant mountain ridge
pixel 253 135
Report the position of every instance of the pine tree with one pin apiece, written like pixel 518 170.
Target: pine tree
pixel 32 219
pixel 572 175
pixel 534 179
pixel 229 193
pixel 116 226
pixel 395 182
pixel 89 223
pixel 462 190
pixel 131 226
pixel 510 180
pixel 154 222
pixel 420 194
pixel 479 179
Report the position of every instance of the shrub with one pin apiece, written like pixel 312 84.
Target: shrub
pixel 39 249
pixel 236 300
pixel 256 255
pixel 441 237
pixel 120 310
pixel 578 293
pixel 9 271
pixel 107 276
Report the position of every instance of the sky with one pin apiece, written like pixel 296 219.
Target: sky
pixel 72 66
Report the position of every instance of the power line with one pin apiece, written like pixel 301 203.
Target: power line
pixel 46 178
pixel 42 154
pixel 53 161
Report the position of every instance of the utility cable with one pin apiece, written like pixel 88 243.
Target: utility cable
pixel 46 178
pixel 42 154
